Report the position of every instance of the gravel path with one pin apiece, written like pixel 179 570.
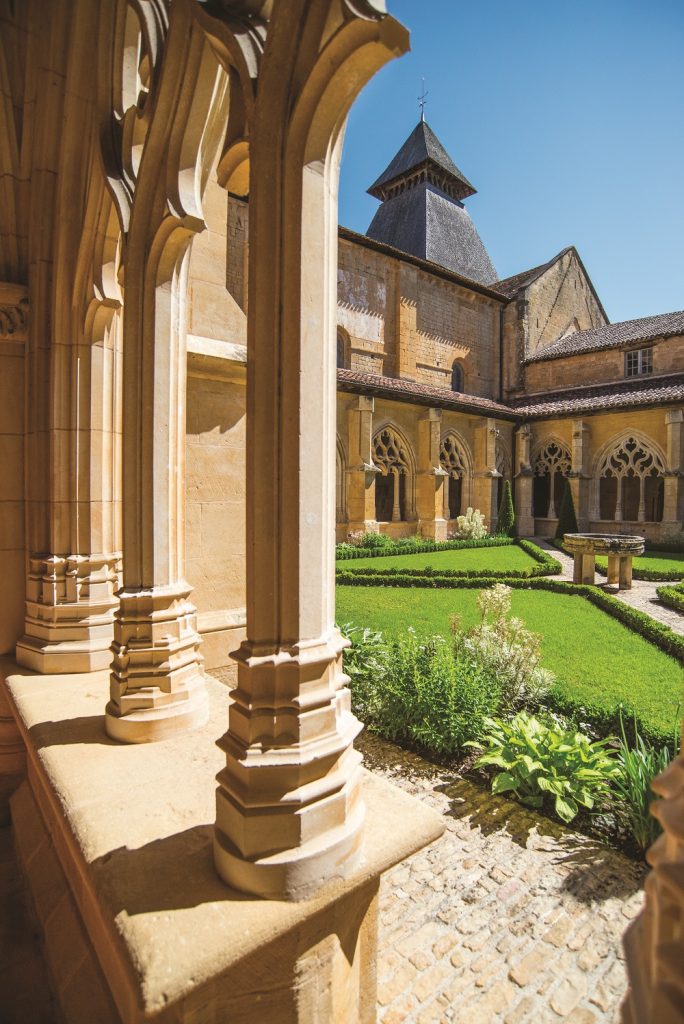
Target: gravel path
pixel 642 595
pixel 507 919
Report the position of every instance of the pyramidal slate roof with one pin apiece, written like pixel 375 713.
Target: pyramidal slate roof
pixel 422 148
pixel 647 328
pixel 422 213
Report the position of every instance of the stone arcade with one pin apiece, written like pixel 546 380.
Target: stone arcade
pixel 168 318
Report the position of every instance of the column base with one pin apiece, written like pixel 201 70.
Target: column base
pixel 157 685
pixel 434 529
pixel 288 808
pixel 69 613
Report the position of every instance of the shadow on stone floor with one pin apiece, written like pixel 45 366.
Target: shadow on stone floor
pixel 88 729
pixel 481 809
pixel 597 873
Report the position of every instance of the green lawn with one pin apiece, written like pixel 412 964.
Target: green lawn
pixel 486 559
pixel 654 562
pixel 597 661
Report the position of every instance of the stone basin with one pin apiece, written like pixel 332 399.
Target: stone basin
pixel 619 547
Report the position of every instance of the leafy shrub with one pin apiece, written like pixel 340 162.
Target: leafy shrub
pixel 414 690
pixel 639 765
pixel 567 520
pixel 505 523
pixel 504 649
pixel 375 541
pixel 471 525
pixel 540 759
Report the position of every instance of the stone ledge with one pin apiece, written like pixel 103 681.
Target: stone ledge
pixel 132 827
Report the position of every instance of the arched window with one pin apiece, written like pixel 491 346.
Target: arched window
pixel 457 376
pixel 551 467
pixel 392 459
pixel 343 349
pixel 340 484
pixel 631 482
pixel 455 462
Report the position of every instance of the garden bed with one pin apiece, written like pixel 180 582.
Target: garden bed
pixel 519 560
pixel 600 663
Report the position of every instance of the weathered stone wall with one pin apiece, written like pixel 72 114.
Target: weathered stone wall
pixel 216 304
pixel 600 367
pixel 560 302
pixel 404 322
pixel 215 429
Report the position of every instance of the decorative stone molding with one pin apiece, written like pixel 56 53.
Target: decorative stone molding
pixel 70 604
pixel 14 308
pixel 157 687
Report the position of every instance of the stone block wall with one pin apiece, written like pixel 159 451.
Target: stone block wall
pixel 405 322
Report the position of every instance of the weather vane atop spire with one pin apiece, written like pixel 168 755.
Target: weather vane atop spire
pixel 421 100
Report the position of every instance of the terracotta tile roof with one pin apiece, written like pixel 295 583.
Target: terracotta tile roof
pixel 648 328
pixel 664 390
pixel 420 394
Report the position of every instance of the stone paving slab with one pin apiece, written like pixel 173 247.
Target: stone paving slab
pixel 508 919
pixel 642 596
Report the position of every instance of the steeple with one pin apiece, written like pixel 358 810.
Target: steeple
pixel 422 212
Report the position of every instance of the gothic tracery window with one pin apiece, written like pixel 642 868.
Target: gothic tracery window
pixel 391 458
pixel 631 482
pixel 453 460
pixel 551 467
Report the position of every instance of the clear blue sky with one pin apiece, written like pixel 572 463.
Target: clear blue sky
pixel 568 118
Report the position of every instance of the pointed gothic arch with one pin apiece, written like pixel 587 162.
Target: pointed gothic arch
pixel 456 460
pixel 629 479
pixel 395 483
pixel 551 463
pixel 340 482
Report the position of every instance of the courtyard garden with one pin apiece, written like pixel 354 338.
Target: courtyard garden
pixel 474 652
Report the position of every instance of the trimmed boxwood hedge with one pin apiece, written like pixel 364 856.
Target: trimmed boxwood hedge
pixel 673 597
pixel 546 566
pixel 342 553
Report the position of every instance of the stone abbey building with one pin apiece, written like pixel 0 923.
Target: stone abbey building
pixel 175 300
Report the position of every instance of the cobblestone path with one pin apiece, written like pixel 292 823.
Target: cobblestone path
pixel 507 919
pixel 642 595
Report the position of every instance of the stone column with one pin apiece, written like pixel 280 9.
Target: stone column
pixel 289 812
pixel 524 482
pixel 673 506
pixel 433 482
pixel 579 478
pixel 157 684
pixel 485 473
pixel 654 942
pixel 71 379
pixel 361 472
